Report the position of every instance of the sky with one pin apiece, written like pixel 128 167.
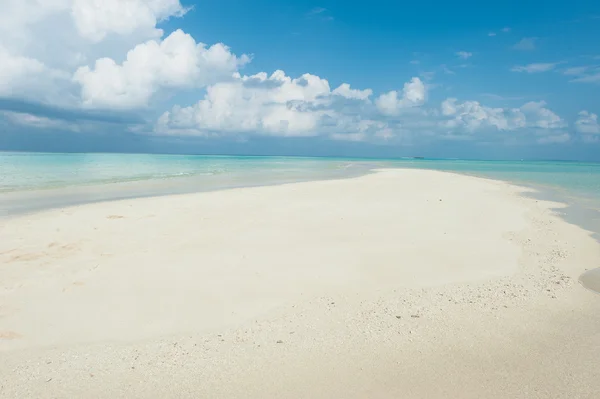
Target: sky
pixel 464 79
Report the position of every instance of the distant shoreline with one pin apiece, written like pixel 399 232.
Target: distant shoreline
pixel 342 157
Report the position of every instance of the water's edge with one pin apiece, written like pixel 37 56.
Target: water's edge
pixel 18 203
pixel 14 204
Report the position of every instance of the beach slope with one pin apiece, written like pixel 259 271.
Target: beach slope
pixel 401 283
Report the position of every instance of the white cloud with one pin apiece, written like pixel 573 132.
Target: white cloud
pixel 16 70
pixel 464 54
pixel 587 123
pixel 492 34
pixel 58 36
pixel 57 32
pixel 176 62
pixel 96 18
pixel 413 94
pixel 506 29
pixel 472 116
pixel 345 91
pixel 261 104
pixel 278 105
pixel 535 68
pixel 22 76
pixel 538 116
pixel 526 44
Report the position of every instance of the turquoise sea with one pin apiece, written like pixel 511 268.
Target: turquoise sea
pixel 30 171
pixel 31 181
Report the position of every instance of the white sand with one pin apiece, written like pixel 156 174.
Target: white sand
pixel 404 283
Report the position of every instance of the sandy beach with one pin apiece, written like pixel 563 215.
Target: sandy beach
pixel 397 284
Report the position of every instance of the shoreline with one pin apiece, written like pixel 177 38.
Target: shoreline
pixel 152 188
pixel 571 208
pixel 22 202
pixel 364 287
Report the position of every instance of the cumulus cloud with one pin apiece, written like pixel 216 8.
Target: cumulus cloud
pixel 473 116
pixel 538 116
pixel 464 54
pixel 587 123
pixel 63 32
pixel 535 68
pixel 176 62
pixel 345 91
pixel 53 38
pixel 15 70
pixel 277 105
pixel 413 94
pixel 95 19
pixel 23 76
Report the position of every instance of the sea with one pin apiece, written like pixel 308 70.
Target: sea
pixel 36 181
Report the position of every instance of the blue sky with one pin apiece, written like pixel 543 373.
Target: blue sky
pixel 512 79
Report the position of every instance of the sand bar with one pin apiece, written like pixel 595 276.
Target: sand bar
pixel 375 286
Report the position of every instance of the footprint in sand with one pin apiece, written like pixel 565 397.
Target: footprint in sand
pixel 115 217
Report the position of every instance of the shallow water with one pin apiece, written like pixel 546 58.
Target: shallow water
pixel 33 171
